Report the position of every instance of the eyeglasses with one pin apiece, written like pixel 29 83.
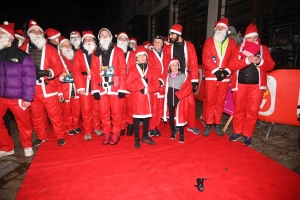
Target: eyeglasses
pixel 66 45
pixel 36 32
pixel 89 40
pixel 123 39
pixel 104 36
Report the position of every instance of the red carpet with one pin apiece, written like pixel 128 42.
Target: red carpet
pixel 168 170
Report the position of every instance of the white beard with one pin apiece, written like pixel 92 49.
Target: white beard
pixel 20 43
pixel 105 43
pixel 68 53
pixel 219 36
pixel 122 45
pixel 89 46
pixel 38 41
pixel 76 42
pixel 4 40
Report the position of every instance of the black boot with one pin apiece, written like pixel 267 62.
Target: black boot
pixel 200 184
pixel 122 132
pixel 173 136
pixel 129 129
pixel 137 143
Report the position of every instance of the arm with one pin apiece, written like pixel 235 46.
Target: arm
pixel 267 63
pixel 185 89
pixel 193 64
pixel 134 81
pixel 77 76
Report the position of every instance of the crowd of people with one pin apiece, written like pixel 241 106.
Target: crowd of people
pixel 87 84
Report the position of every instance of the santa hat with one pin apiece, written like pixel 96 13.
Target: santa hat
pixel 33 24
pixel 140 50
pixel 176 28
pixel 174 60
pixel 122 34
pixel 102 29
pixel 75 34
pixel 158 37
pixel 62 39
pixel 8 28
pixel 251 31
pixel 19 33
pixel 52 33
pixel 222 22
pixel 133 40
pixel 87 33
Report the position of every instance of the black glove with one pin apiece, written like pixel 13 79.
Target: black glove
pixel 225 73
pixel 97 96
pixel 219 74
pixel 161 83
pixel 194 86
pixel 146 79
pixel 41 73
pixel 121 95
pixel 142 91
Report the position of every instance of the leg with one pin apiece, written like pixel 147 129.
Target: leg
pixel 136 132
pixel 6 142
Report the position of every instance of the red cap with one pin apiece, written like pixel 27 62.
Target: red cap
pixel 140 50
pixel 133 40
pixel 176 28
pixel 8 28
pixel 75 34
pixel 222 22
pixel 33 24
pixel 19 33
pixel 62 39
pixel 251 31
pixel 174 60
pixel 52 33
pixel 87 33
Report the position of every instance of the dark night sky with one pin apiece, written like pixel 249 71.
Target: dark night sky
pixel 63 15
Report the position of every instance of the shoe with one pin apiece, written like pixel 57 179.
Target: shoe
pixel 173 136
pixel 122 132
pixel 72 132
pixel 157 132
pixel 148 140
pixel 87 136
pixel 98 132
pixel 7 153
pixel 114 139
pixel 129 129
pixel 137 143
pixel 28 151
pixel 61 142
pixel 234 137
pixel 194 130
pixel 151 133
pixel 106 138
pixel 248 141
pixel 38 142
pixel 181 139
pixel 206 131
pixel 78 130
pixel 218 130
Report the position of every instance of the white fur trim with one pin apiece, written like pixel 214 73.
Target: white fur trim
pixel 175 31
pixel 140 53
pixel 222 24
pixel 213 71
pixel 194 80
pixel 86 36
pixel 106 30
pixel 54 36
pixel 3 30
pixel 228 70
pixel 253 34
pixel 20 36
pixel 34 27
pixel 52 74
pixel 142 116
pixel 247 61
pixel 95 91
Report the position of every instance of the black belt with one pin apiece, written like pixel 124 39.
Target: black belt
pixel 84 73
pixel 42 81
pixel 106 84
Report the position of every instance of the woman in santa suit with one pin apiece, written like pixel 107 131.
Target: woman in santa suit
pixel 250 63
pixel 142 82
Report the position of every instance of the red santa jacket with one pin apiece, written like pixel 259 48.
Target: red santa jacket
pixel 65 87
pixel 213 61
pixel 237 63
pixel 52 62
pixel 135 82
pixel 116 83
pixel 190 59
pixel 157 63
pixel 181 114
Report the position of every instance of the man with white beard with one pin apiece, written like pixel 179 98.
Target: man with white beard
pixel 70 102
pixel 216 55
pixel 108 86
pixel 48 66
pixel 132 43
pixel 75 39
pixel 84 60
pixel 17 87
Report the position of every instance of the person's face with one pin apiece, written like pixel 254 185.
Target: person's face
pixel 88 39
pixel 54 41
pixel 36 31
pixel 251 39
pixel 123 38
pixel 66 45
pixel 142 58
pixel 158 43
pixel 104 34
pixel 132 44
pixel 173 37
pixel 174 67
pixel 221 28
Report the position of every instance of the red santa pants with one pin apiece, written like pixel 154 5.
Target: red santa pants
pixel 213 101
pixel 86 105
pixel 96 115
pixel 127 111
pixel 246 106
pixel 71 113
pixel 111 113
pixel 38 114
pixel 157 106
pixel 22 118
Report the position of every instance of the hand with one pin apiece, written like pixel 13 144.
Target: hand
pixel 81 92
pixel 97 96
pixel 41 73
pixel 26 104
pixel 142 91
pixel 60 98
pixel 254 59
pixel 161 83
pixel 121 95
pixel 194 86
pixel 218 74
pixel 146 79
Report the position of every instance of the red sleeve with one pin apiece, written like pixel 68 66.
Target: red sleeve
pixel 78 77
pixel 193 63
pixel 134 81
pixel 207 60
pixel 267 63
pixel 185 89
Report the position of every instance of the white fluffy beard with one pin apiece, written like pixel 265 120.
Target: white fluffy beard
pixel 76 42
pixel 68 53
pixel 219 36
pixel 122 45
pixel 89 46
pixel 4 39
pixel 37 40
pixel 104 43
